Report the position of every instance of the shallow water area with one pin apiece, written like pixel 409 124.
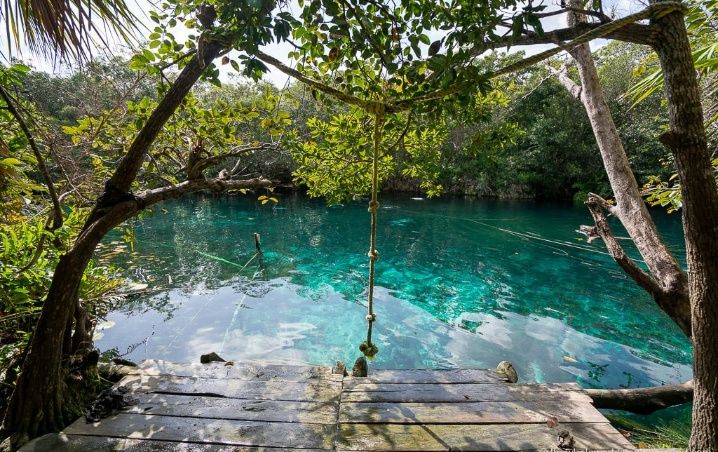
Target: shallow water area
pixel 461 282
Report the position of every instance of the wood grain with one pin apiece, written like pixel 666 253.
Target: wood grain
pixel 469 413
pixel 497 437
pixel 217 431
pixel 242 389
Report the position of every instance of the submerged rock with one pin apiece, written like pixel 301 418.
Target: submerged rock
pixel 211 358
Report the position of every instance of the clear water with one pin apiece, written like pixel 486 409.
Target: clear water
pixel 461 282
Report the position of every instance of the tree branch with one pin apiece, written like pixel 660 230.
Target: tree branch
pixel 125 210
pixel 236 152
pixel 596 206
pixel 642 400
pixel 633 32
pixel 562 75
pixel 57 208
pixel 314 83
pixel 598 14
pixel 130 164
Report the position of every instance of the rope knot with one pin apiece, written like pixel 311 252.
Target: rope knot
pixel 368 349
pixel 373 206
pixel 373 255
pixel 371 317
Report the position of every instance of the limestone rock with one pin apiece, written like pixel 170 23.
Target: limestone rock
pixel 211 358
pixel 361 368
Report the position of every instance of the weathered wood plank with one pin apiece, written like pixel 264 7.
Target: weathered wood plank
pixel 469 413
pixel 498 437
pixel 242 389
pixel 59 442
pixel 358 385
pixel 217 431
pixel 463 393
pixel 236 370
pixel 236 409
pixel 411 376
pixel 252 406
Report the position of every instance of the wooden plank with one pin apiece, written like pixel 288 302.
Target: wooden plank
pixel 498 437
pixel 359 386
pixel 59 442
pixel 469 413
pixel 236 370
pixel 237 409
pixel 411 376
pixel 216 431
pixel 464 393
pixel 242 389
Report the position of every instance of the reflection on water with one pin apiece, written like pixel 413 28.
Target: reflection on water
pixel 461 283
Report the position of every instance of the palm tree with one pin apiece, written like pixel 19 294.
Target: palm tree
pixel 65 29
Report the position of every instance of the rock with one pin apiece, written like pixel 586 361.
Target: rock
pixel 124 362
pixel 211 358
pixel 113 372
pixel 507 370
pixel 361 368
pixel 340 369
pixel 107 402
pixel 565 440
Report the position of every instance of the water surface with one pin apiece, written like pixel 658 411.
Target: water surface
pixel 461 282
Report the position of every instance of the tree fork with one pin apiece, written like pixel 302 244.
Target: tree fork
pixel 118 186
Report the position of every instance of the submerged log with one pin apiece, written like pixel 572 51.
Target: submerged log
pixel 642 400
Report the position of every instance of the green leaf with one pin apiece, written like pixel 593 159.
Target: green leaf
pixel 10 162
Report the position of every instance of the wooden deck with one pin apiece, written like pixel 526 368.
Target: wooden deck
pixel 218 407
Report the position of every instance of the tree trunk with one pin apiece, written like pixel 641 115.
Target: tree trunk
pixel 687 141
pixel 667 283
pixel 36 405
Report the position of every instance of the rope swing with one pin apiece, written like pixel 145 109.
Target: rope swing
pixel 367 347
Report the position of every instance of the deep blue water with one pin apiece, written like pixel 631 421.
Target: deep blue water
pixel 461 282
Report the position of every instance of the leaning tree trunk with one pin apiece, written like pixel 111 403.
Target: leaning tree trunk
pixel 687 141
pixel 36 406
pixel 667 283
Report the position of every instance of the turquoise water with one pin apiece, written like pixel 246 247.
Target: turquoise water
pixel 461 282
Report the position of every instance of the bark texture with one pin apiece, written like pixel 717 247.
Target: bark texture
pixel 687 141
pixel 642 400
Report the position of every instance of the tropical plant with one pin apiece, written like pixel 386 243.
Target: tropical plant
pixel 64 28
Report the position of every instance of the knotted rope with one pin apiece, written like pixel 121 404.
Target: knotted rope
pixel 367 347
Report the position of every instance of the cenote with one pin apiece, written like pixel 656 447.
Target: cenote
pixel 462 282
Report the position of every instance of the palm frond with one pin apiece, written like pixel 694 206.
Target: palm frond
pixel 65 29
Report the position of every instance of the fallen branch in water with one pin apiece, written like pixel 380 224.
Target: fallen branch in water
pixel 642 400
